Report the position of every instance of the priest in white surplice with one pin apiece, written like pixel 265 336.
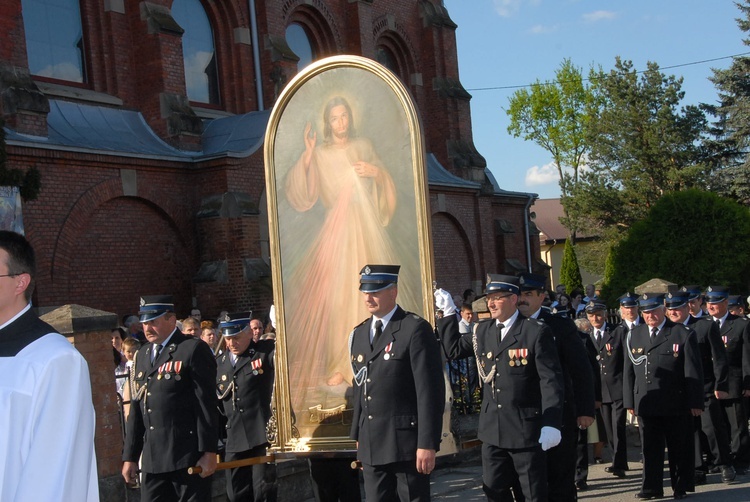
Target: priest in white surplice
pixel 46 416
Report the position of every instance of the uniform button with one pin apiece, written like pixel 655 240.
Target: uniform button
pixel 369 398
pixel 369 417
pixel 149 410
pixel 499 405
pixel 368 380
pixel 148 393
pixel 412 424
pixel 151 427
pixel 241 410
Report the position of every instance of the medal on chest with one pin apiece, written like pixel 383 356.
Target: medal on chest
pixel 256 365
pixel 676 349
pixel 388 348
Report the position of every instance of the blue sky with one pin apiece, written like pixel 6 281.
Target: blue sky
pixel 504 43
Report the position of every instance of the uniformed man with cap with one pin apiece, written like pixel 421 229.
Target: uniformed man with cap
pixel 244 385
pixel 735 333
pixel 578 376
pixel 399 392
pixel 523 389
pixel 173 416
pixel 711 423
pixel 663 386
pixel 609 342
pixel 736 305
pixel 695 300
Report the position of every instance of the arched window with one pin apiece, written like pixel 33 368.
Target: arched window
pixel 198 51
pixel 299 42
pixel 385 56
pixel 54 39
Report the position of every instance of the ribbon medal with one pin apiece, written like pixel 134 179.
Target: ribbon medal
pixel 608 346
pixel 256 365
pixel 725 339
pixel 168 370
pixel 676 349
pixel 387 354
pixel 177 369
pixel 512 354
pixel 524 353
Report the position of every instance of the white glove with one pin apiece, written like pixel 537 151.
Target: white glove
pixel 444 302
pixel 272 316
pixel 549 438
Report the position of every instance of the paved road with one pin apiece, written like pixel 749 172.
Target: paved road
pixel 460 478
pixel 464 482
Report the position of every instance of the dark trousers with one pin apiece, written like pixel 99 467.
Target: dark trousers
pixel 561 464
pixel 175 486
pixel 334 480
pixel 396 481
pixel 735 411
pixel 253 482
pixel 614 415
pixel 677 433
pixel 502 467
pixel 713 425
pixel 582 456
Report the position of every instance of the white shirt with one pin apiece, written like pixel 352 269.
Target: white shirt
pixel 47 424
pixel 721 320
pixel 385 320
pixel 507 324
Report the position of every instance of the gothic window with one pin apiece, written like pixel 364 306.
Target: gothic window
pixel 299 42
pixel 54 39
pixel 198 52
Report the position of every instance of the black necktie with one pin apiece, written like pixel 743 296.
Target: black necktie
pixel 598 337
pixel 654 330
pixel 500 327
pixel 157 349
pixel 378 332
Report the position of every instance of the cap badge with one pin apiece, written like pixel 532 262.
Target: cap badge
pixel 367 271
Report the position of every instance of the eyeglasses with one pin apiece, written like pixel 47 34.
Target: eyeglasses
pixel 12 275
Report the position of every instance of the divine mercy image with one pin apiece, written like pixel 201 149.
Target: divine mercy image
pixel 346 200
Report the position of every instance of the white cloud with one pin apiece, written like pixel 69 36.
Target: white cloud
pixel 506 8
pixel 599 15
pixel 543 175
pixel 540 29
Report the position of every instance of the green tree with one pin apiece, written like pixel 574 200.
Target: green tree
pixel 643 145
pixel 570 274
pixel 731 129
pixel 555 115
pixel 665 244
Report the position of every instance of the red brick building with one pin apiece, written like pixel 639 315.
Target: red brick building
pixel 146 121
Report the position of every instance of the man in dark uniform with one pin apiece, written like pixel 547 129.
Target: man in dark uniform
pixel 663 386
pixel 735 333
pixel 609 343
pixel 523 389
pixel 399 394
pixel 714 362
pixel 578 376
pixel 173 416
pixel 244 384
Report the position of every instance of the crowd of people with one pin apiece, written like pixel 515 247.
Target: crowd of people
pixel 677 365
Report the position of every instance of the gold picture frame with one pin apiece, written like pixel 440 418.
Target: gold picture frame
pixel 343 191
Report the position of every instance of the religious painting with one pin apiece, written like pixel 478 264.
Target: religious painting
pixel 346 185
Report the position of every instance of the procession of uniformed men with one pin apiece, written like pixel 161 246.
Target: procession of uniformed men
pixel 684 375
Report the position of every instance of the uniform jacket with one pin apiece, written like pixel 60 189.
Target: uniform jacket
pixel 669 381
pixel 399 401
pixel 611 357
pixel 245 392
pixel 713 354
pixel 173 417
pixel 524 397
pixel 576 367
pixel 735 333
